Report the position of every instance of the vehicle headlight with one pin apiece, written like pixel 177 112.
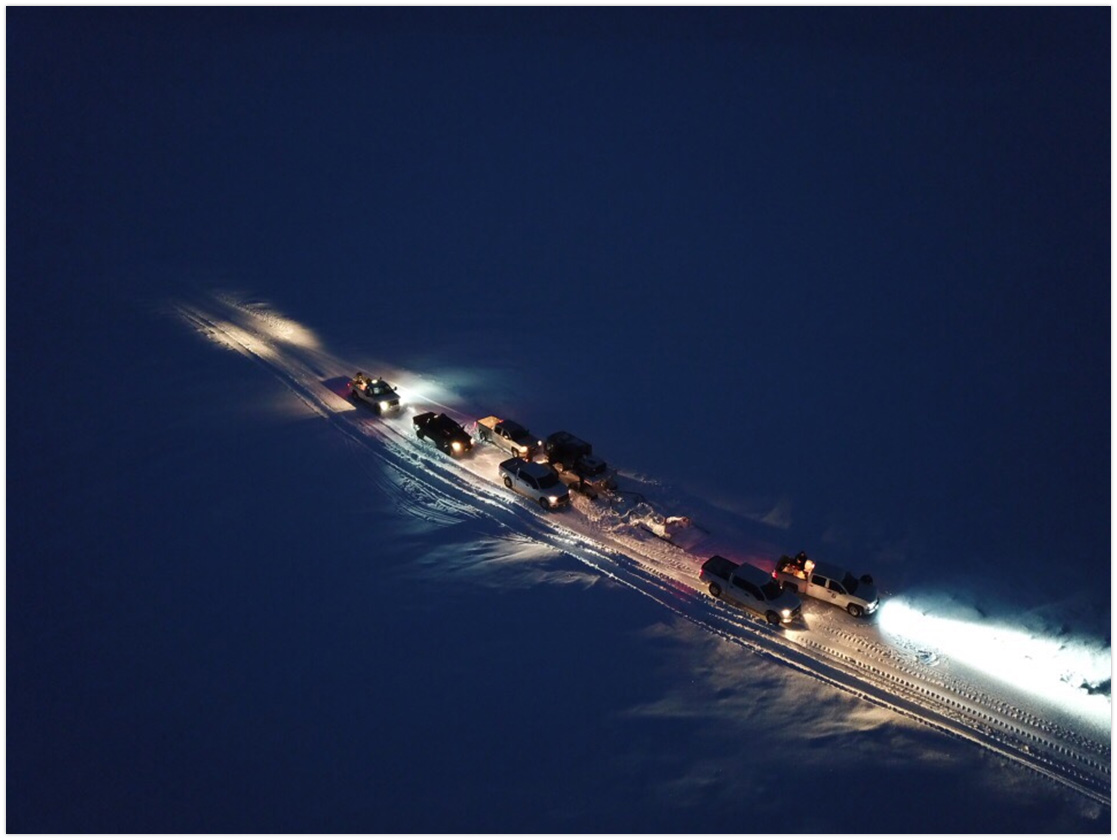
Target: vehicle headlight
pixel 456 446
pixel 553 500
pixel 785 613
pixel 383 405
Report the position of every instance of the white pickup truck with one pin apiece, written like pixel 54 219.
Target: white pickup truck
pixel 751 588
pixel 801 574
pixel 509 436
pixel 536 481
pixel 374 391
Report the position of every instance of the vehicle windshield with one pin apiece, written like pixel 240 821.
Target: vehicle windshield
pixel 514 430
pixel 548 481
pixel 380 387
pixel 771 590
pixel 849 583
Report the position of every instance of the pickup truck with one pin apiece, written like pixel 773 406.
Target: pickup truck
pixel 535 480
pixel 509 436
pixel 857 596
pixel 374 391
pixel 752 589
pixel 575 461
pixel 443 432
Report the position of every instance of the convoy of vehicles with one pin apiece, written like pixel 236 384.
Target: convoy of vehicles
pixel 571 465
pixel 575 462
pixel 857 596
pixel 374 391
pixel 536 481
pixel 752 589
pixel 509 436
pixel 443 432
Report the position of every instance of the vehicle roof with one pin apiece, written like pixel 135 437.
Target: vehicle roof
pixel 535 469
pixel 758 577
pixel 565 439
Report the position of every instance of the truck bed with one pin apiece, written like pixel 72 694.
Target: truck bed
pixel 719 566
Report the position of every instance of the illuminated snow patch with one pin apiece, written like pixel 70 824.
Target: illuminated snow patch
pixel 416 389
pixel 269 322
pixel 290 332
pixel 230 336
pixel 1075 674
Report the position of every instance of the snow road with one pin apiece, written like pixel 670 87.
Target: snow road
pixel 856 656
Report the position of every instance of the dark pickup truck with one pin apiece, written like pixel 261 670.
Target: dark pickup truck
pixel 576 464
pixel 443 433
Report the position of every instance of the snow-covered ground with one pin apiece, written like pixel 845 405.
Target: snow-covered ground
pixel 926 680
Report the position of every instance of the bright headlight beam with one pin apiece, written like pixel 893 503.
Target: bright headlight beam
pixel 1058 670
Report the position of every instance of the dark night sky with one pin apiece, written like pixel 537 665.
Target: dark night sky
pixel 873 243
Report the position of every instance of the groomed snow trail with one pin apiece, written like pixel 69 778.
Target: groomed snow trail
pixel 831 647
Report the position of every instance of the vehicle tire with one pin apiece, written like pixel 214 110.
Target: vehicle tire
pixel 508 482
pixel 791 587
pixel 854 610
pixel 772 618
pixel 715 590
pixel 418 433
pixel 543 503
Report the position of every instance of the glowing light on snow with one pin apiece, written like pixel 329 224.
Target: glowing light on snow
pixel 1060 670
pixel 269 322
pixel 420 390
pixel 229 335
pixel 287 331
